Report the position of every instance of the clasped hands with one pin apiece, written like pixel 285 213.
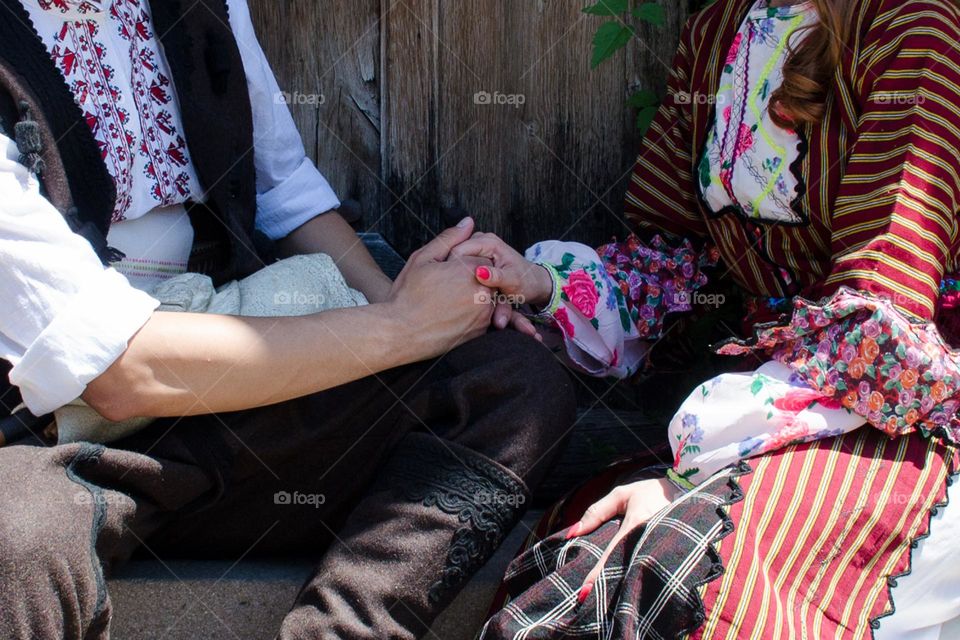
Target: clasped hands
pixel 462 282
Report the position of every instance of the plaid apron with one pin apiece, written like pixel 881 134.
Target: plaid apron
pixel 804 542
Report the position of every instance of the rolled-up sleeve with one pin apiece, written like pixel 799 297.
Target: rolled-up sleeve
pixel 65 318
pixel 290 188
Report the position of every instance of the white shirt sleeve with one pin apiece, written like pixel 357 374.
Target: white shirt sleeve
pixel 65 318
pixel 290 189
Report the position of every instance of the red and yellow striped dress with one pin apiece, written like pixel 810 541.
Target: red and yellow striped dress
pixel 818 535
pixel 823 528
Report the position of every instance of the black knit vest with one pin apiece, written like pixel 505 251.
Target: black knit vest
pixel 207 71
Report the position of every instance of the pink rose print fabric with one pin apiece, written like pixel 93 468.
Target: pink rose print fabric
pixel 588 312
pixel 610 303
pixel 740 415
pixel 581 292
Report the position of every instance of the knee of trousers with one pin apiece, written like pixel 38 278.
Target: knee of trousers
pixel 539 403
pixel 48 526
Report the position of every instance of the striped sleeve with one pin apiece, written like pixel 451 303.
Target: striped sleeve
pixel 894 222
pixel 660 195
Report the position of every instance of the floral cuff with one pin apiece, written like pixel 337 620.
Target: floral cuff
pixel 588 310
pixel 897 373
pixel 657 278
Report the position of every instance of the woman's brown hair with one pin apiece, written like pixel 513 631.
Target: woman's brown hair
pixel 810 66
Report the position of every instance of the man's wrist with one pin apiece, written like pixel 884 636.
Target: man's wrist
pixel 403 336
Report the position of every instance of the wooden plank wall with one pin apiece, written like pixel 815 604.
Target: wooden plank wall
pixel 400 128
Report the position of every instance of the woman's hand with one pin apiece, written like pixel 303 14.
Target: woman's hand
pixel 512 275
pixel 636 502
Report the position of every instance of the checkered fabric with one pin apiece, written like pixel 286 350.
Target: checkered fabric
pixel 805 542
pixel 649 587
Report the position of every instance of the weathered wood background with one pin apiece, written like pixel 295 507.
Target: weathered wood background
pixel 385 93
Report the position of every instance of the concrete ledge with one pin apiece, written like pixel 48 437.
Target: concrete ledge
pixel 194 600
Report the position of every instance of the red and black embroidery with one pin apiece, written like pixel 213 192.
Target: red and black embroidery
pixel 141 142
pixel 80 56
pixel 162 146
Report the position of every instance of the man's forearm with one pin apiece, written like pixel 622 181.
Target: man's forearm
pixel 182 364
pixel 329 233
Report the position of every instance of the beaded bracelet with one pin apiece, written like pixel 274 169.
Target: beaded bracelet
pixel 555 300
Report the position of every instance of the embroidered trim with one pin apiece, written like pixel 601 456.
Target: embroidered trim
pixel 796 169
pixel 486 498
pixel 91 190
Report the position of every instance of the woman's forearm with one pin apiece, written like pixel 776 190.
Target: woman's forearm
pixel 182 364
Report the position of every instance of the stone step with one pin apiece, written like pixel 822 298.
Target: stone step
pixel 201 600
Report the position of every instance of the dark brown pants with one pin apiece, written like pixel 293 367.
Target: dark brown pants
pixel 408 479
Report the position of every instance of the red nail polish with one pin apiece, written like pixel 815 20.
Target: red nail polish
pixel 574 531
pixel 584 592
pixel 483 273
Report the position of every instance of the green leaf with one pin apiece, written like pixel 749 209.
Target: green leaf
pixel 641 99
pixel 608 7
pixel 651 12
pixel 756 387
pixel 610 38
pixel 647 104
pixel 645 117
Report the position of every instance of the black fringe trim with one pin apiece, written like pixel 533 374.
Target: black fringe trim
pixel 952 474
pixel 717 569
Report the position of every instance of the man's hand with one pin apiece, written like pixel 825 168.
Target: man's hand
pixel 438 293
pixel 511 274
